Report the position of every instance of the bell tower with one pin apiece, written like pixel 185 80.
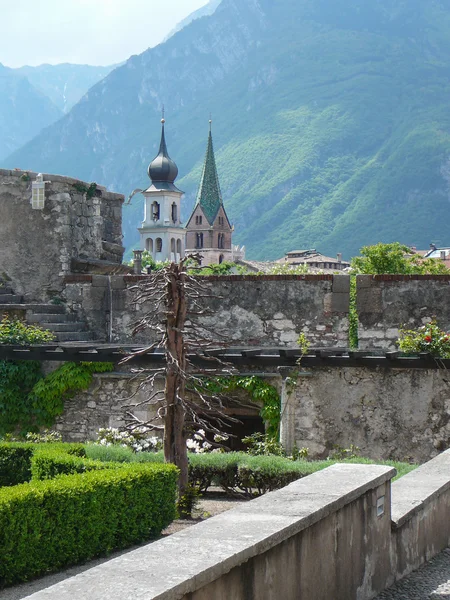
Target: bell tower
pixel 161 231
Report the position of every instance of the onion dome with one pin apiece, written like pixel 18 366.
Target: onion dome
pixel 162 169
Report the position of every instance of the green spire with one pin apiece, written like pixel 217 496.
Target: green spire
pixel 209 195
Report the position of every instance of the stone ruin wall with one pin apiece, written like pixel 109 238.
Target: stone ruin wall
pixel 39 247
pixel 399 414
pixel 386 303
pixel 248 310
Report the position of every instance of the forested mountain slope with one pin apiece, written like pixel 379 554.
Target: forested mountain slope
pixel 330 121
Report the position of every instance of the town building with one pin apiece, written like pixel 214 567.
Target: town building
pixel 161 232
pixel 315 260
pixel 208 230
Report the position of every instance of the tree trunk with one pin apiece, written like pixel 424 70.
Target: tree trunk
pixel 175 450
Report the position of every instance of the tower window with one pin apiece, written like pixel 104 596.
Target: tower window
pixel 220 220
pixel 158 245
pixel 155 211
pixel 174 212
pixel 198 220
pixel 149 245
pixel 178 246
pixel 199 240
pixel 220 240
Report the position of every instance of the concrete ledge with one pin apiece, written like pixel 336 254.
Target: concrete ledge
pixel 186 562
pixel 412 492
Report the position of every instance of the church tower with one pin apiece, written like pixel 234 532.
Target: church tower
pixel 161 231
pixel 208 229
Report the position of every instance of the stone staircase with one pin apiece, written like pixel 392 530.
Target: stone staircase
pixel 53 317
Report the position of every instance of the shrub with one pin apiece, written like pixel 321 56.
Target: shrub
pixel 16 459
pixel 15 463
pixel 81 516
pixel 428 338
pixel 48 464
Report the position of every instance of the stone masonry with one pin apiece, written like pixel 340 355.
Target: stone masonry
pixel 40 246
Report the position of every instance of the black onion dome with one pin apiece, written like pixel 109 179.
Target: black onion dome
pixel 162 168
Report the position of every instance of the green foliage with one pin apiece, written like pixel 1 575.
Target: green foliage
pixel 15 331
pixel 149 261
pixel 395 258
pixel 188 502
pixel 81 516
pixel 89 190
pixel 29 402
pixel 225 268
pixel 44 437
pixel 15 463
pixel 18 411
pixel 259 444
pixel 353 315
pixel 286 269
pixel 259 390
pixel 109 453
pixel 16 458
pixel 428 338
pixel 344 453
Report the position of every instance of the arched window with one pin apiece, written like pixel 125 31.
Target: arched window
pixel 220 259
pixel 199 240
pixel 179 247
pixel 174 212
pixel 155 211
pixel 172 245
pixel 198 220
pixel 158 245
pixel 220 240
pixel 149 245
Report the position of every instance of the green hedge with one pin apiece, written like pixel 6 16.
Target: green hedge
pixel 16 459
pixel 15 463
pixel 48 464
pixel 46 525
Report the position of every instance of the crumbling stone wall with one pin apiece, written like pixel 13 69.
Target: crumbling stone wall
pixel 270 310
pixel 401 414
pixel 385 303
pixel 39 247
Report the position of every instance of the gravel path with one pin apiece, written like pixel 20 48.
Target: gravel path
pixel 430 582
pixel 209 505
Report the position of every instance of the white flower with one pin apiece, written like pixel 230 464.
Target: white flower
pixel 193 445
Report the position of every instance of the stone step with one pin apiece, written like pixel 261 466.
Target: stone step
pixel 75 326
pixel 48 309
pixel 74 336
pixel 52 318
pixel 10 299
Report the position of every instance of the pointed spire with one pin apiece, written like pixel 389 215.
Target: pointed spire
pixel 162 168
pixel 209 195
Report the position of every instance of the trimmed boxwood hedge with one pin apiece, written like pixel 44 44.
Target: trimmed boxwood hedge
pixel 16 458
pixel 46 525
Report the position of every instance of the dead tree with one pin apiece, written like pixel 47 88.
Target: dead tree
pixel 173 301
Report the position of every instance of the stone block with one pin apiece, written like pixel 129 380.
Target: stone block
pixel 341 284
pixel 364 281
pixel 99 280
pixel 369 300
pixel 340 302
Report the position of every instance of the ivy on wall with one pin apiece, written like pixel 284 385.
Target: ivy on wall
pixel 29 401
pixel 259 391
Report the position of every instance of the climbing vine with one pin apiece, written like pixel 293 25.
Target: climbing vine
pixel 259 390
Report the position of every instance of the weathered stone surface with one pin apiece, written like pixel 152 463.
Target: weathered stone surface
pixel 38 245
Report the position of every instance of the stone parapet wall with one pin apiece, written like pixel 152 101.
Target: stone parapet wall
pixel 271 310
pixel 344 533
pixel 38 245
pixel 385 303
pixel 400 414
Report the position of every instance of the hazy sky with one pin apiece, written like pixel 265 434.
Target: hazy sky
pixel 96 32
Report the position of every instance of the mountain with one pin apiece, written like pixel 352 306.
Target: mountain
pixel 24 111
pixel 66 83
pixel 203 11
pixel 330 122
